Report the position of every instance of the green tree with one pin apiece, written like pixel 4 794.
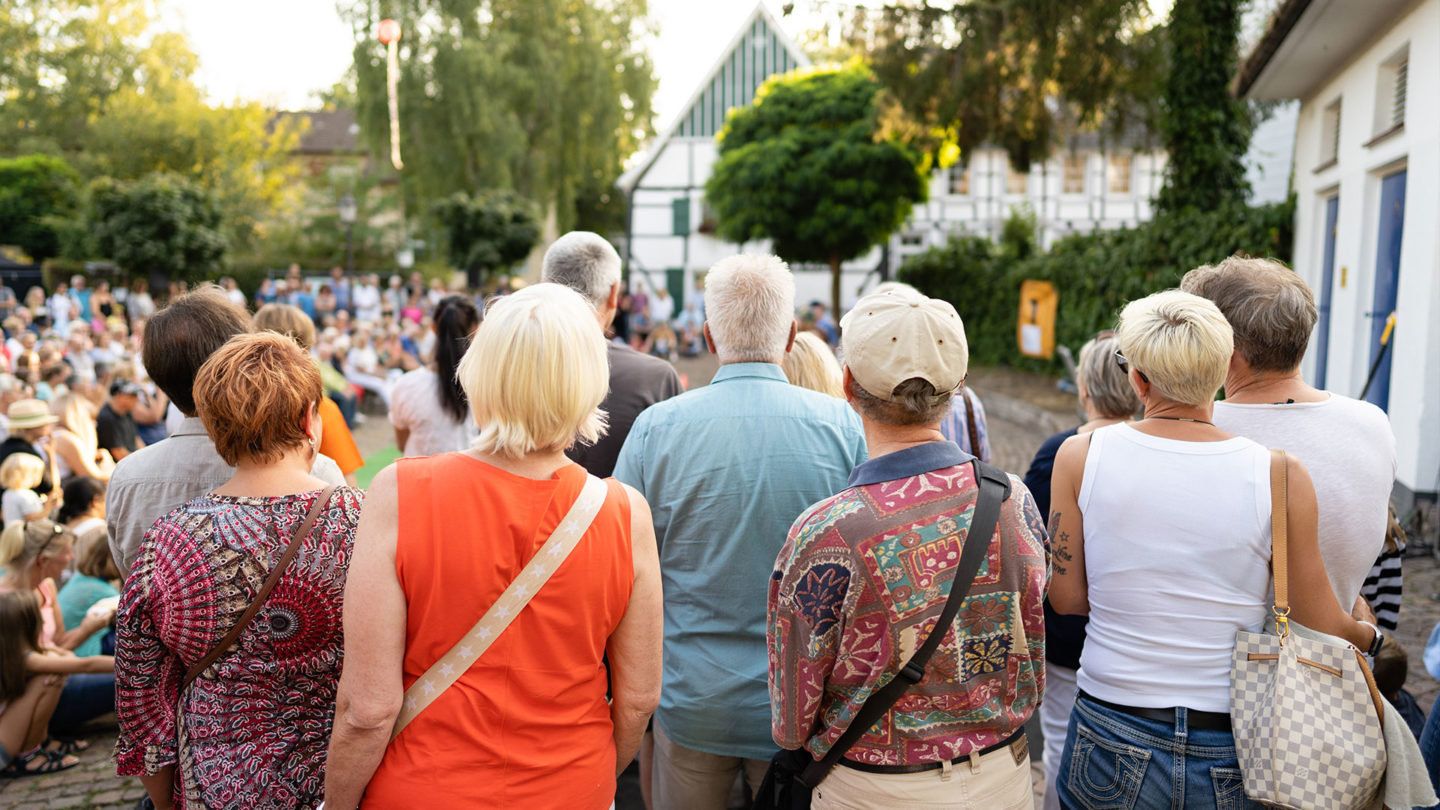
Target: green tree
pixel 544 97
pixel 38 194
pixel 1021 74
pixel 806 166
pixel 488 232
pixel 1206 129
pixel 98 84
pixel 161 225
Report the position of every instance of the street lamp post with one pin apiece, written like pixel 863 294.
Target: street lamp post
pixel 349 212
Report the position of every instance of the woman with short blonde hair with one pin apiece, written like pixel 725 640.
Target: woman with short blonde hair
pixel 535 375
pixel 253 722
pixel 1161 535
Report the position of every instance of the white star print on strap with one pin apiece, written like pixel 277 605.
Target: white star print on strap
pixel 470 647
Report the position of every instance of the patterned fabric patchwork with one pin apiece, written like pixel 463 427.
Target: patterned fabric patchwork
pixel 857 586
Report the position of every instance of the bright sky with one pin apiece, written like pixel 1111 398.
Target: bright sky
pixel 284 51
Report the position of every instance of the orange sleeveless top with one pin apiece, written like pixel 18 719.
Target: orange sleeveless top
pixel 528 724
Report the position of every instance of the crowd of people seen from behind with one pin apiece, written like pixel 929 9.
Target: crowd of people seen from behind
pixel 576 567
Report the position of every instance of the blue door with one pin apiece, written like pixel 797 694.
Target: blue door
pixel 1327 280
pixel 1387 281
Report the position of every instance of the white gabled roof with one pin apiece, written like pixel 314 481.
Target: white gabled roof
pixel 711 118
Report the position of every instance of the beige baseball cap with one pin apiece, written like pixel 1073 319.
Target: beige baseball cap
pixel 894 335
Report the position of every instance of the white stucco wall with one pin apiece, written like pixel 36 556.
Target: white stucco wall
pixel 1356 176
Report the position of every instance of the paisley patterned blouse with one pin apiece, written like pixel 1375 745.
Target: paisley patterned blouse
pixel 256 723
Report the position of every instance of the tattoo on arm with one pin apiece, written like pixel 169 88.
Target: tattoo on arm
pixel 1062 553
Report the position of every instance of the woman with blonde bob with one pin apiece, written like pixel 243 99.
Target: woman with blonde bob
pixel 1160 531
pixel 526 724
pixel 811 364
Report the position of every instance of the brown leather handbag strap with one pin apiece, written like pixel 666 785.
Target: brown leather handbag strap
pixel 274 579
pixel 1279 542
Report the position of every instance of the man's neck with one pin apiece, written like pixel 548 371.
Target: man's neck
pixel 1245 386
pixel 882 439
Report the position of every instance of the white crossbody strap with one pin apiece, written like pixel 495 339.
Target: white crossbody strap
pixel 444 672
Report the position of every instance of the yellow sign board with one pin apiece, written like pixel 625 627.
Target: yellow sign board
pixel 1036 330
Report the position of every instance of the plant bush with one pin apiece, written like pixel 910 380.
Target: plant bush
pixel 1094 274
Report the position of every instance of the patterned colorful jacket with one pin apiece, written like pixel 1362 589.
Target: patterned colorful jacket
pixel 861 579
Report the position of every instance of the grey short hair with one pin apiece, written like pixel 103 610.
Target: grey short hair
pixel 916 402
pixel 1107 387
pixel 586 263
pixel 1271 308
pixel 750 308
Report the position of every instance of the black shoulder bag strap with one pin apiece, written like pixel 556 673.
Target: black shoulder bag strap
pixel 994 489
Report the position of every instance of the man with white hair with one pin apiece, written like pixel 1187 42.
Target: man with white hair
pixel 589 265
pixel 726 469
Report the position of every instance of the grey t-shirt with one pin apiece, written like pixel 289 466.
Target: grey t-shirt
pixel 637 381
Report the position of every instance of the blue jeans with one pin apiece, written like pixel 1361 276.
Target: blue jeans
pixel 83 698
pixel 1430 745
pixel 1116 761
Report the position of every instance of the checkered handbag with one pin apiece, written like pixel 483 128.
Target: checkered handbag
pixel 1306 712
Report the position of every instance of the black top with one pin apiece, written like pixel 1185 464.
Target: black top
pixel 114 430
pixel 1064 635
pixel 637 381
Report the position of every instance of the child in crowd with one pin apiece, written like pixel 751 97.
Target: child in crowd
pixel 31 678
pixel 95 580
pixel 20 474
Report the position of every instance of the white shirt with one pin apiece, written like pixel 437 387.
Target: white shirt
pixel 367 303
pixel 415 406
pixel 661 309
pixel 1177 559
pixel 1349 449
pixel 17 503
pixel 60 308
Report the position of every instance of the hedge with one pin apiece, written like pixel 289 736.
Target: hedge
pixel 1094 274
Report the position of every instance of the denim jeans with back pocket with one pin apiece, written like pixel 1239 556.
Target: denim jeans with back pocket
pixel 1116 761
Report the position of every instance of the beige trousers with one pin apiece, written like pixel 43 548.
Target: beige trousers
pixel 686 779
pixel 992 782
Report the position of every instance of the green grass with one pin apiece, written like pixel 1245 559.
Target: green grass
pixel 374 463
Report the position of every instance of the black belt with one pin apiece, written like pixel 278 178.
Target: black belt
pixel 1018 738
pixel 1206 721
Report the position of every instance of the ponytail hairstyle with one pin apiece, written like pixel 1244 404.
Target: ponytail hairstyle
pixel 455 321
pixel 19 636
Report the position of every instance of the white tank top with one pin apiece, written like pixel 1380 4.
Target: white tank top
pixel 1177 553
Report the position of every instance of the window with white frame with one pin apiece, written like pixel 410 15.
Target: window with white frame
pixel 1118 173
pixel 960 179
pixel 1016 182
pixel 1330 133
pixel 1390 91
pixel 1075 164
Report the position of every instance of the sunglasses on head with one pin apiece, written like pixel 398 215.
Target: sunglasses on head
pixel 58 531
pixel 1124 363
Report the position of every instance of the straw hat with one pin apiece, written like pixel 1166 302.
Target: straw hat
pixel 29 413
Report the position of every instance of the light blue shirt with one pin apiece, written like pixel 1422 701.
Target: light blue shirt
pixel 726 469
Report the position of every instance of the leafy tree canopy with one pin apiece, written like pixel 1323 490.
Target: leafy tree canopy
pixel 545 97
pixel 37 194
pixel 95 83
pixel 488 232
pixel 1021 74
pixel 806 166
pixel 160 225
pixel 1206 129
